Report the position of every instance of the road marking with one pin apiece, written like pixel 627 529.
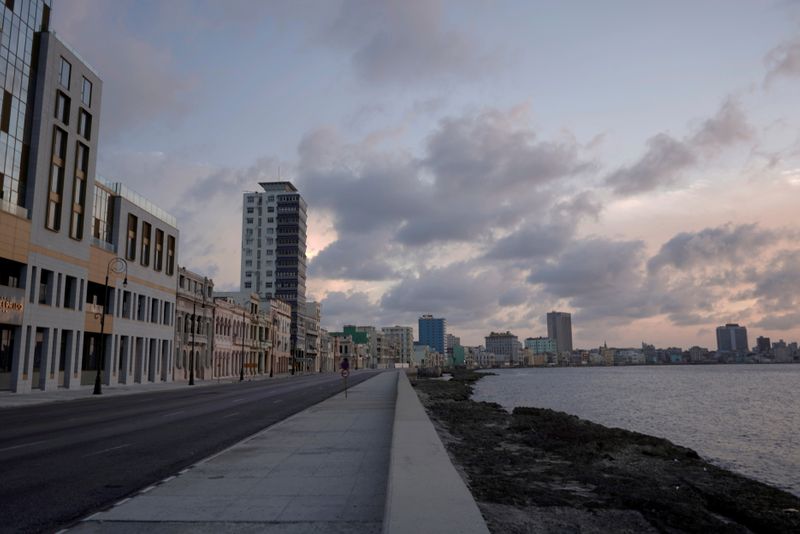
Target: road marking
pixel 173 413
pixel 231 415
pixel 91 517
pixel 148 488
pixel 62 531
pixel 167 479
pixel 106 450
pixel 238 400
pixel 123 501
pixel 23 445
pixel 277 401
pixel 182 471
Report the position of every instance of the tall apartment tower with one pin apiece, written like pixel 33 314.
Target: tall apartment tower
pixel 433 333
pixel 274 251
pixel 559 327
pixel 732 338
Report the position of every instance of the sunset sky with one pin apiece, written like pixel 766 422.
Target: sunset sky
pixel 635 163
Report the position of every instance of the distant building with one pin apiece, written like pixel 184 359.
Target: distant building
pixel 559 327
pixel 504 344
pixel 763 345
pixel 433 333
pixel 732 338
pixel 403 337
pixel 541 345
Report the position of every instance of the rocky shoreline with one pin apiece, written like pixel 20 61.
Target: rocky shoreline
pixel 538 470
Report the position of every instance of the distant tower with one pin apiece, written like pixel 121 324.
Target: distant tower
pixel 433 332
pixel 559 327
pixel 732 338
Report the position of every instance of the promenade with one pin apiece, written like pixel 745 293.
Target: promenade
pixel 365 463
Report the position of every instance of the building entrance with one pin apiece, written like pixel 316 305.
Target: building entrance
pixel 7 333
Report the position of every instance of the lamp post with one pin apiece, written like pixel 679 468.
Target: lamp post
pixel 272 351
pixel 241 369
pixel 117 265
pixel 194 329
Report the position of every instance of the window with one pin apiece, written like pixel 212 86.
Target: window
pixel 64 73
pixel 130 244
pixel 249 220
pixel 247 285
pixel 103 214
pixel 146 232
pixel 159 260
pixel 86 92
pixel 248 263
pixel 5 119
pixel 56 188
pixel 270 209
pixel 84 124
pixel 269 220
pixel 79 191
pixel 271 198
pixel 170 255
pixel 249 200
pixel 250 211
pixel 62 107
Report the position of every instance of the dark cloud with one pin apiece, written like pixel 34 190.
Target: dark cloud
pixel 783 61
pixel 785 321
pixel 712 246
pixel 339 308
pixel 406 41
pixel 353 257
pixel 777 285
pixel 667 158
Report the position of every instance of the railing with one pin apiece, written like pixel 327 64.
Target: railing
pixel 96 309
pixel 13 209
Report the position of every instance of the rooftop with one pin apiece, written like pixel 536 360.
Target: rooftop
pixel 135 198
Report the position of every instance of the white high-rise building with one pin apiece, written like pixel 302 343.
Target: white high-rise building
pixel 274 251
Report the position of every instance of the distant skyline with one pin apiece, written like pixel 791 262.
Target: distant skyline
pixel 635 164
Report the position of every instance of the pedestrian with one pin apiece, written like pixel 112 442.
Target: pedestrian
pixel 345 365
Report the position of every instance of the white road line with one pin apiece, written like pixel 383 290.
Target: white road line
pixel 277 401
pixel 23 445
pixel 91 517
pixel 167 479
pixel 123 501
pixel 148 488
pixel 238 400
pixel 231 415
pixel 108 449
pixel 173 413
pixel 182 471
pixel 62 531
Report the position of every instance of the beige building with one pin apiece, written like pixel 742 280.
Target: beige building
pixel 194 330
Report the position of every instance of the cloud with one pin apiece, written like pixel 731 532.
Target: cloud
pixel 712 246
pixel 354 257
pixel 667 158
pixel 783 61
pixel 141 79
pixel 406 42
pixel 340 308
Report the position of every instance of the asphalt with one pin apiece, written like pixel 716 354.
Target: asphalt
pixel 61 462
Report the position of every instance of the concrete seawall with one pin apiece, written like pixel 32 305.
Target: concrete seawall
pixel 425 493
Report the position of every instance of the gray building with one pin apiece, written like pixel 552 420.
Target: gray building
pixel 194 326
pixel 87 268
pixel 505 345
pixel 559 327
pixel 274 251
pixel 732 338
pixel 403 338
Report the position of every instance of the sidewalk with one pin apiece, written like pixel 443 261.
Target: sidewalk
pixel 322 470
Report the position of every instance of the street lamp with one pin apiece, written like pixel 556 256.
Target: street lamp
pixel 117 265
pixel 194 329
pixel 241 369
pixel 272 352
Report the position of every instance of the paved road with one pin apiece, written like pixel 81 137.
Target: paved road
pixel 60 462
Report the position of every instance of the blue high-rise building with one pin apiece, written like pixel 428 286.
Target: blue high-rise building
pixel 433 332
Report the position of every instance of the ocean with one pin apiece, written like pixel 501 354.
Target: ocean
pixel 745 418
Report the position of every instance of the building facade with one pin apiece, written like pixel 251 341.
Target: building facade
pixel 504 344
pixel 87 267
pixel 403 338
pixel 433 333
pixel 559 327
pixel 274 252
pixel 732 338
pixel 541 345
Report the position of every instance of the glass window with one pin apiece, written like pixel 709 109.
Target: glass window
pixel 86 92
pixel 159 259
pixel 146 231
pixel 130 245
pixel 64 73
pixel 170 255
pixel 62 107
pixel 84 124
pixel 79 191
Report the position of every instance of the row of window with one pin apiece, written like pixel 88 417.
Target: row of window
pixel 55 191
pixel 145 246
pixel 64 79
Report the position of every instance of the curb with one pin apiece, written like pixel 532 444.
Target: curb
pixel 425 493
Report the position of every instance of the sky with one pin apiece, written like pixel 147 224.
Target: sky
pixel 634 163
